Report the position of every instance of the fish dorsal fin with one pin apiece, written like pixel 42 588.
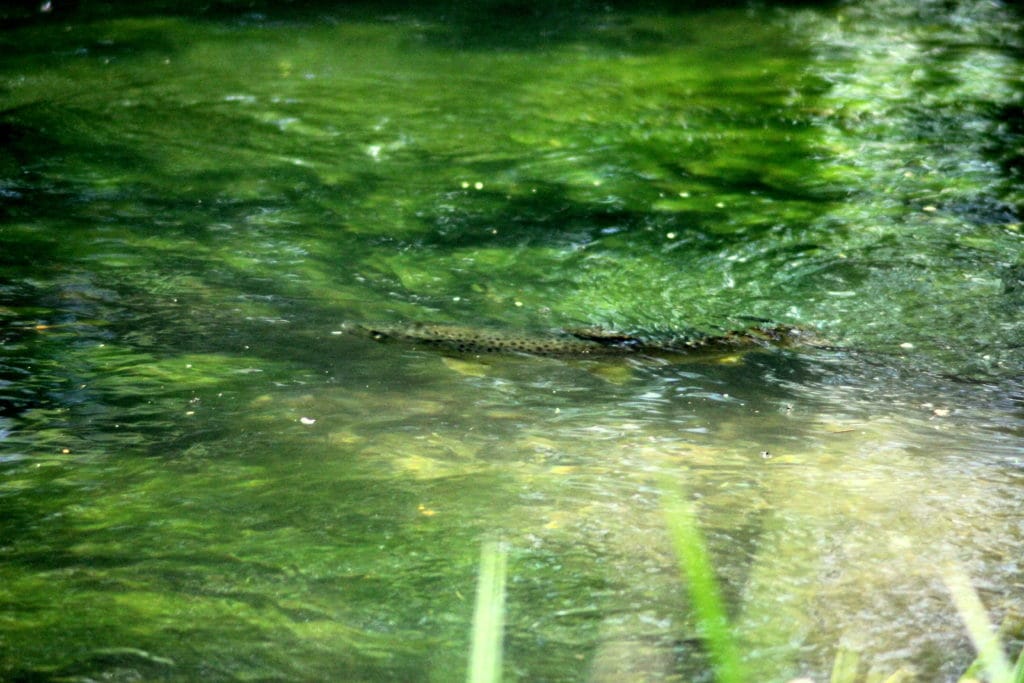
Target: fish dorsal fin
pixel 603 336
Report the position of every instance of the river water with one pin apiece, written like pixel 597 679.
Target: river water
pixel 203 478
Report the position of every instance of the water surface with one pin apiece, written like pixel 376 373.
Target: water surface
pixel 200 480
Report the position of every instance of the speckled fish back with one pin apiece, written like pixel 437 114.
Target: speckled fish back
pixel 474 340
pixel 574 343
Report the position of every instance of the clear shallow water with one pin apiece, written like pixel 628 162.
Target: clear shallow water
pixel 192 204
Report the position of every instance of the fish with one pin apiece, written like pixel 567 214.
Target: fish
pixel 582 342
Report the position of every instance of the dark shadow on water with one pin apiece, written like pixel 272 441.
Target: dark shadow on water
pixel 548 215
pixel 457 24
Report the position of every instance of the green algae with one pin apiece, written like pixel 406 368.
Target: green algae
pixel 198 480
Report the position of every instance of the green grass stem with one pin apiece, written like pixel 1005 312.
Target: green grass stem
pixel 844 667
pixel 488 615
pixel 985 639
pixel 695 564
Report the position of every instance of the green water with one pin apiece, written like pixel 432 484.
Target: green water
pixel 199 480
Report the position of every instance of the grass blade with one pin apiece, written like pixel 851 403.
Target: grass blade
pixel 695 564
pixel 488 615
pixel 979 630
pixel 844 667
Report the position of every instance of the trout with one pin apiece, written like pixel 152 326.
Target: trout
pixel 586 342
